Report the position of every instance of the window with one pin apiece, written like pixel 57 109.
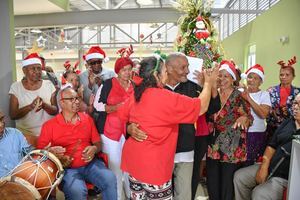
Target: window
pixel 251 56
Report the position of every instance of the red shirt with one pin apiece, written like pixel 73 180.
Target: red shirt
pixel 158 113
pixel 284 94
pixel 74 137
pixel 114 127
pixel 202 126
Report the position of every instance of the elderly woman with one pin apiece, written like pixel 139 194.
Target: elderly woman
pixel 32 100
pixel 282 96
pixel 260 107
pixel 158 112
pixel 109 97
pixel 227 144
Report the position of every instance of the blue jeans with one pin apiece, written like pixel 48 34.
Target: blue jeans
pixel 96 173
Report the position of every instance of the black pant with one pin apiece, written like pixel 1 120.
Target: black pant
pixel 220 179
pixel 200 150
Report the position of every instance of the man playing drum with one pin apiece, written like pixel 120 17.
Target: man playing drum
pixel 13 146
pixel 73 135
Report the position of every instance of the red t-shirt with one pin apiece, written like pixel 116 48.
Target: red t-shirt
pixel 202 126
pixel 74 137
pixel 114 127
pixel 284 94
pixel 158 113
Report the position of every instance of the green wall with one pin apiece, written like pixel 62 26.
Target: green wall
pixel 64 4
pixel 283 19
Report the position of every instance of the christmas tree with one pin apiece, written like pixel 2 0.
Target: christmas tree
pixel 197 36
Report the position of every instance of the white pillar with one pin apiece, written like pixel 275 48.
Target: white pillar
pixel 7 54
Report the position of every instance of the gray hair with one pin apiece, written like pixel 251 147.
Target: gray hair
pixel 173 56
pixel 60 92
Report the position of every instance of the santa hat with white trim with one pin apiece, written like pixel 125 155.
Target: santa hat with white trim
pixel 229 67
pixel 32 59
pixel 257 69
pixel 96 52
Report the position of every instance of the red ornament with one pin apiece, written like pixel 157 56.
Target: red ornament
pixel 192 54
pixel 202 34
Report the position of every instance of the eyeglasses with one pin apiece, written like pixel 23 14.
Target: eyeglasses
pixel 72 99
pixel 97 62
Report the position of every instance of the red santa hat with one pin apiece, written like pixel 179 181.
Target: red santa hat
pixel 257 69
pixel 96 52
pixel 31 59
pixel 122 62
pixel 229 67
pixel 67 64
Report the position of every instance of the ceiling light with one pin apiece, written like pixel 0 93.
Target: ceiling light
pixel 35 31
pixel 145 2
pixel 154 25
pixel 68 41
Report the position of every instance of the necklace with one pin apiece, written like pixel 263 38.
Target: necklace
pixel 224 97
pixel 124 84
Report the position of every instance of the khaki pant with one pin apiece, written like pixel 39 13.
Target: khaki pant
pixel 182 173
pixel 245 186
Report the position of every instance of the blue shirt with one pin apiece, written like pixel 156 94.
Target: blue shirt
pixel 12 147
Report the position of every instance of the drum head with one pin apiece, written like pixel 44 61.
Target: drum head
pixel 14 188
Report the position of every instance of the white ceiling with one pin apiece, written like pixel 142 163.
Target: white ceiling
pixel 25 7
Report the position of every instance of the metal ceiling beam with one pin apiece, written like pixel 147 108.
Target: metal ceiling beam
pixel 233 11
pixel 112 16
pixel 125 33
pixel 95 6
pixel 120 4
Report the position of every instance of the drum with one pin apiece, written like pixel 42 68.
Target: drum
pixel 13 188
pixel 41 169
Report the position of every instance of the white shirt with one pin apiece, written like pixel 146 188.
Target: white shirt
pixel 261 98
pixel 32 122
pixel 99 106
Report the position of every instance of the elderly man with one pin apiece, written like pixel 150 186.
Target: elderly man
pixel 32 100
pixel 267 180
pixel 93 77
pixel 73 135
pixel 13 146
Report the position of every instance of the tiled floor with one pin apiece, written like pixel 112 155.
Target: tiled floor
pixel 201 192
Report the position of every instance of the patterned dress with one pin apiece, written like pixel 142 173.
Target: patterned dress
pixel 228 144
pixel 278 113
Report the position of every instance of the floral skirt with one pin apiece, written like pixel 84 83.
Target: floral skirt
pixel 144 191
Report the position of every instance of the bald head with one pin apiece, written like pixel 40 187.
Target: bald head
pixel 69 100
pixel 172 57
